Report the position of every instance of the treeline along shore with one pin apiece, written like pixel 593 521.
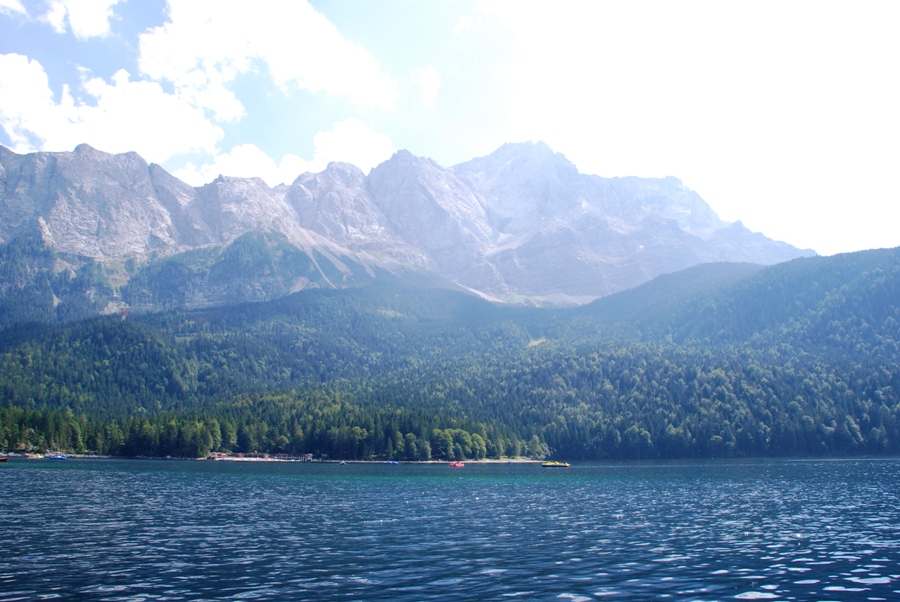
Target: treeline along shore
pixel 279 425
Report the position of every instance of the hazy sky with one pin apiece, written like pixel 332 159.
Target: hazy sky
pixel 783 115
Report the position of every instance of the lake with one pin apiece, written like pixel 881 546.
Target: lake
pixel 712 530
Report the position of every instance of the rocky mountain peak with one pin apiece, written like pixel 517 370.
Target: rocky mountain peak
pixel 538 152
pixel 431 208
pixel 90 203
pixel 346 174
pixel 336 204
pixel 522 185
pixel 233 206
pixel 88 150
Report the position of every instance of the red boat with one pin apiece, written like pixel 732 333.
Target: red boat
pixel 4 459
pixel 457 464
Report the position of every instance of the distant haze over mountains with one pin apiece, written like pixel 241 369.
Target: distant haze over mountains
pixel 521 224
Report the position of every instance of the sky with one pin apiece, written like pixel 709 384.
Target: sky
pixel 784 115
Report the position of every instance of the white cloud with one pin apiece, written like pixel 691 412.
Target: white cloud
pixel 207 43
pixel 353 142
pixel 464 23
pixel 203 47
pixel 86 18
pixel 128 115
pixel 244 161
pixel 429 80
pixel 12 6
pixel 349 141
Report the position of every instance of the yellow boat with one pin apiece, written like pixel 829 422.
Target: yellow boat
pixel 555 464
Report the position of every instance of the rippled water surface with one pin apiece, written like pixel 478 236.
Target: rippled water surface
pixel 753 530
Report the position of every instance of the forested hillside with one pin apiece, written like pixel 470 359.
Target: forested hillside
pixel 720 360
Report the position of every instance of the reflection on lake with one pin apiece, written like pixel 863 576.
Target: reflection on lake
pixel 746 530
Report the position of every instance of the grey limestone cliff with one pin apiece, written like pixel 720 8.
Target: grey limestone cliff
pixel 84 202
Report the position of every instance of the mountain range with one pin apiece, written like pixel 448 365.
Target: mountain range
pixel 519 225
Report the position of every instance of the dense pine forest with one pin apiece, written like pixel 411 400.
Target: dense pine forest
pixel 721 360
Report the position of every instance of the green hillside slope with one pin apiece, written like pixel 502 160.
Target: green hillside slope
pixel 721 360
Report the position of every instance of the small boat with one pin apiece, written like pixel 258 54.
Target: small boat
pixel 392 462
pixel 343 463
pixel 457 464
pixel 555 464
pixel 58 457
pixel 4 459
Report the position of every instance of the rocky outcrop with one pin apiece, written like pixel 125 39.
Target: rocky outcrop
pixel 336 204
pixel 86 203
pixel 184 207
pixel 234 206
pixel 433 210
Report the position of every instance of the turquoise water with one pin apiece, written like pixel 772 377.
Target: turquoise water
pixel 173 530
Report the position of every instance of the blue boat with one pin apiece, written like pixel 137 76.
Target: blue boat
pixel 58 457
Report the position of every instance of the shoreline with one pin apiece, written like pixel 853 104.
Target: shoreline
pixel 419 462
pixel 295 460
